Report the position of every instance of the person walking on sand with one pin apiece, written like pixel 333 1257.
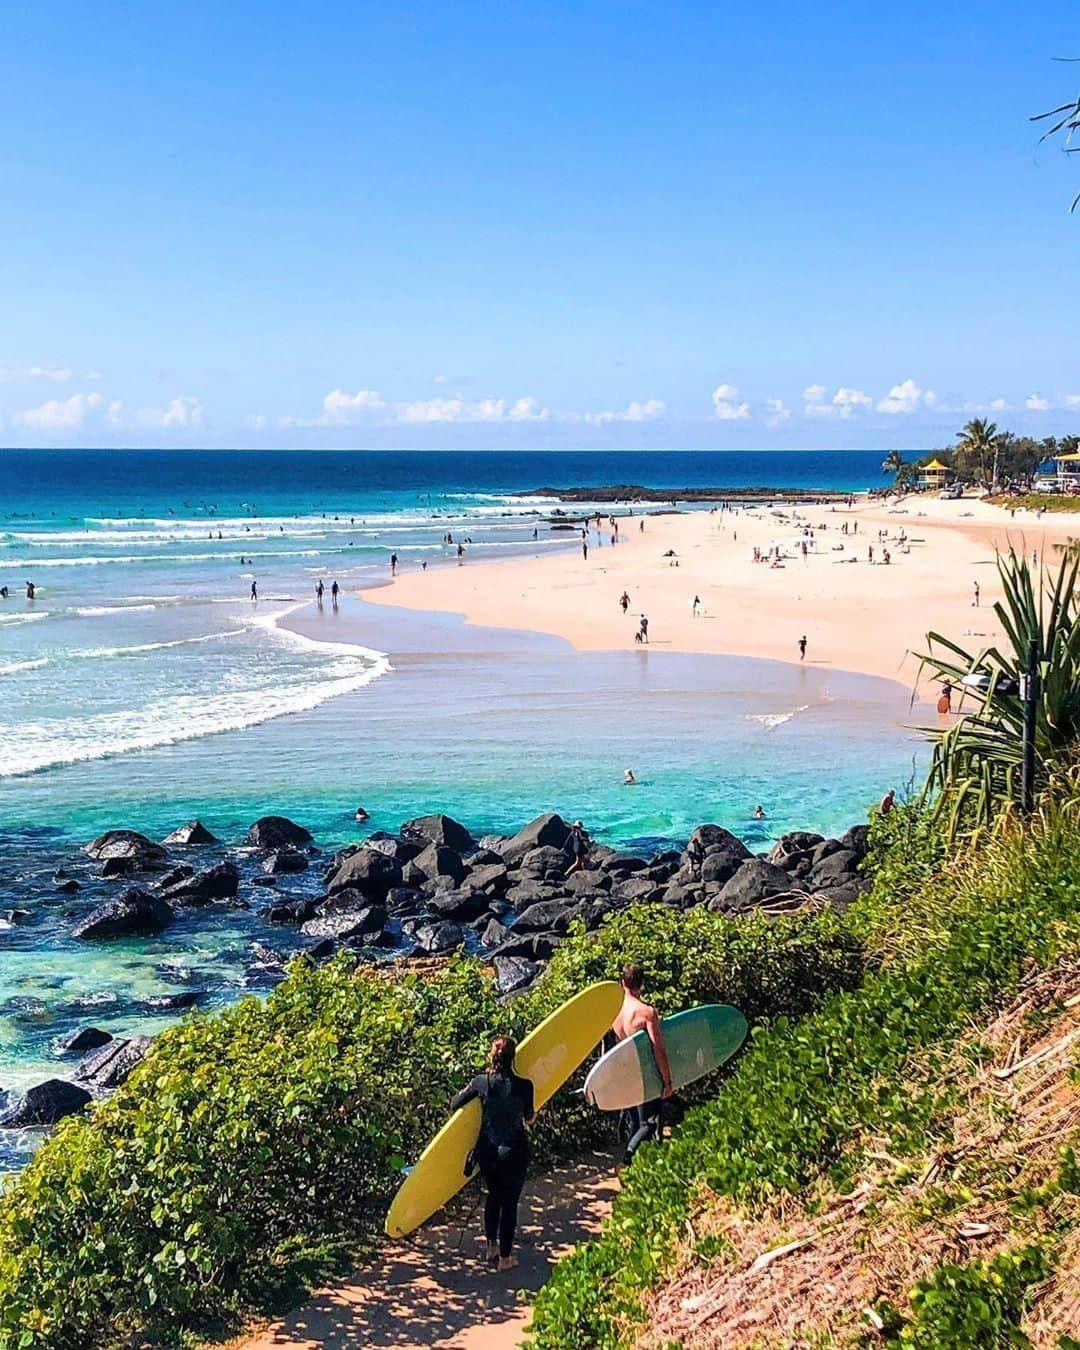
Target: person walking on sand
pixel 696 605
pixel 393 564
pixel 624 601
pixel 643 1122
pixel 643 628
pixel 975 596
pixel 318 591
pixel 502 1150
pixel 254 590
pixel 802 648
pixel 585 549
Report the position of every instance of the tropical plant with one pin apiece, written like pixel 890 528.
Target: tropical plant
pixel 1066 122
pixel 977 448
pixel 893 463
pixel 975 769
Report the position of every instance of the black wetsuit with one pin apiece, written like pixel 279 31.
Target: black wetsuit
pixel 502 1151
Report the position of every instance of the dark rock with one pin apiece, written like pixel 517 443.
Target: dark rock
pixel 174 1002
pixel 321 950
pixel 354 923
pixel 493 843
pixel 372 873
pixel 439 829
pixel 194 832
pixel 857 839
pixel 176 874
pixel 45 1104
pixel 708 839
pixel 755 881
pixel 402 900
pixel 123 867
pixel 721 866
pixel 483 857
pixel 546 916
pixel 535 946
pixel 500 908
pixel 264 881
pixel 825 849
pixel 622 862
pixel 82 1039
pixel 277 832
pixel 547 830
pixel 588 883
pixel 438 861
pixel 494 933
pixel 633 890
pixel 15 915
pixel 834 869
pixel 292 911
pixel 434 938
pixel 262 954
pixel 546 860
pixel 514 972
pixel 131 914
pixel 220 882
pixel 110 1065
pixel 68 887
pixel 680 897
pixel 284 860
pixel 795 842
pixel 843 896
pixel 129 844
pixel 491 877
pixel 527 893
pixel 401 850
pixel 461 905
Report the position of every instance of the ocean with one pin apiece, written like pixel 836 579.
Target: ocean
pixel 142 687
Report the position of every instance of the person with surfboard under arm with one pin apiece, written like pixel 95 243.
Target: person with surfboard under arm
pixel 645 1121
pixel 502 1150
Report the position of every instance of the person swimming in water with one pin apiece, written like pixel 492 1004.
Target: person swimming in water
pixel 628 778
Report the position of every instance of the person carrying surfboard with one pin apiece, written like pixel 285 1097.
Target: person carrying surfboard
pixel 502 1150
pixel 645 1121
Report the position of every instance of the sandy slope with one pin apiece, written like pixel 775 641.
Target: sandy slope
pixel 857 615
pixel 437 1292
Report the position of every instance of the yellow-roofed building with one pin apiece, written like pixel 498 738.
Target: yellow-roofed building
pixel 934 475
pixel 1067 476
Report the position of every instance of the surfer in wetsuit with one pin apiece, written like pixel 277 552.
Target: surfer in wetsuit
pixel 645 1121
pixel 502 1151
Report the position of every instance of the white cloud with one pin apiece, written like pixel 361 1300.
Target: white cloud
pixel 646 410
pixel 842 404
pixel 12 374
pixel 996 405
pixel 906 397
pixel 256 421
pixel 1072 400
pixel 342 409
pixel 459 409
pixel 183 411
pixel 726 404
pixel 527 409
pixel 442 379
pixel 68 414
pixel 776 412
pixel 1036 403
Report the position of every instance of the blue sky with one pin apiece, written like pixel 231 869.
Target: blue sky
pixel 544 224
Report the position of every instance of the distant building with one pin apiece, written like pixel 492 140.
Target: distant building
pixel 1067 473
pixel 934 475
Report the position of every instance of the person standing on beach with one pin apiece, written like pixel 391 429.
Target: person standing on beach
pixel 802 648
pixel 975 596
pixel 696 605
pixel 502 1150
pixel 643 1122
pixel 254 591
pixel 643 629
pixel 393 564
pixel 318 591
pixel 585 549
pixel 334 594
pixel 29 590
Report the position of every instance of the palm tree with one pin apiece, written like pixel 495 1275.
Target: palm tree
pixel 975 768
pixel 978 441
pixel 893 463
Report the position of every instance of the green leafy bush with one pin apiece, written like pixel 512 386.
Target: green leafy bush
pixel 257 1146
pixel 805 1087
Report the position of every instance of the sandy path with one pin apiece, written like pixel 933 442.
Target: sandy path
pixel 858 615
pixel 437 1291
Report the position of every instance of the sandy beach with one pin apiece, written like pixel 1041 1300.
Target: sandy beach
pixel 858 615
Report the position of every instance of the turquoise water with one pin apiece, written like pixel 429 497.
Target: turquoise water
pixel 142 687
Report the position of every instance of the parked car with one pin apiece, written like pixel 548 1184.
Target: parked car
pixel 951 493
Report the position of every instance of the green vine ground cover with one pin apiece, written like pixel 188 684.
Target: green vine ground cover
pixel 952 940
pixel 255 1150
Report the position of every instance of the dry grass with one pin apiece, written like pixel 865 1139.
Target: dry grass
pixel 807 1273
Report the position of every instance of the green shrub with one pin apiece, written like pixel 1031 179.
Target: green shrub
pixel 257 1146
pixel 805 1087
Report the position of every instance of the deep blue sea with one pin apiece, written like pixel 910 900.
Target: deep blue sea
pixel 142 686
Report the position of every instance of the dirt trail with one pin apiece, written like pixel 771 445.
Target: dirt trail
pixel 436 1290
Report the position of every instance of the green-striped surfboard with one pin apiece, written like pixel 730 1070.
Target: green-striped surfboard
pixel 697 1041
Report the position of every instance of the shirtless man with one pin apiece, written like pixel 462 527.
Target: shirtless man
pixel 643 1122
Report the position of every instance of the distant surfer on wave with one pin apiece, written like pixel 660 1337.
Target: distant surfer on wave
pixel 502 1151
pixel 645 1121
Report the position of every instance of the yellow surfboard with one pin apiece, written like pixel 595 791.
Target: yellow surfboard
pixel 547 1057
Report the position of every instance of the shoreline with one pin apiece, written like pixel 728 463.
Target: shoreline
pixel 861 617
